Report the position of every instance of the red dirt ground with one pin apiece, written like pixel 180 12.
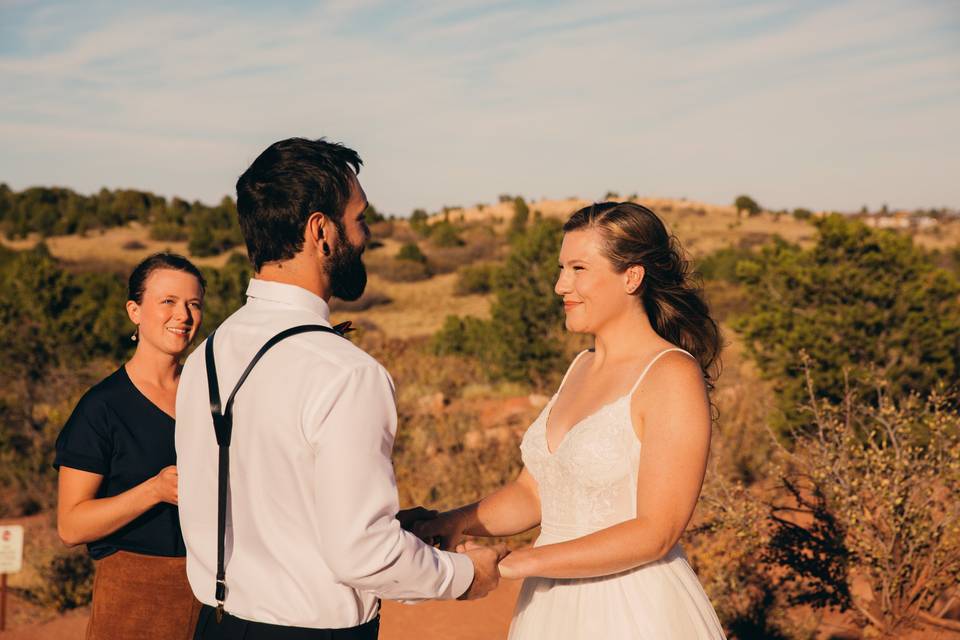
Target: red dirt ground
pixel 486 619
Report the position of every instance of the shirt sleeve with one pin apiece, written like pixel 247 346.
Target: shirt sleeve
pixel 84 442
pixel 352 432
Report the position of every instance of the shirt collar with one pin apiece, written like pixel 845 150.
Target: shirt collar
pixel 288 294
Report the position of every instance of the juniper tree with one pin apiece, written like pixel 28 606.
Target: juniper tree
pixel 861 301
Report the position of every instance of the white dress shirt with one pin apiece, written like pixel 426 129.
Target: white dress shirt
pixel 312 539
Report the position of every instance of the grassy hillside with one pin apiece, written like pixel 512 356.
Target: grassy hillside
pixel 460 423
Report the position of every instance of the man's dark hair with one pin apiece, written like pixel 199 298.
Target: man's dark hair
pixel 286 183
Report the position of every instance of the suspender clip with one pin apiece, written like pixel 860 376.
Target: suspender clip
pixel 220 596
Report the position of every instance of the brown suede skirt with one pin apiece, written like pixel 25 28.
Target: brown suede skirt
pixel 143 597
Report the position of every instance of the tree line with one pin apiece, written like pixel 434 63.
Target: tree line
pixel 50 211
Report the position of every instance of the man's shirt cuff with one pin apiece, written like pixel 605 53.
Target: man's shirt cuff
pixel 462 575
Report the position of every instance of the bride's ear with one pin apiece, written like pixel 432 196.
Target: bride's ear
pixel 633 277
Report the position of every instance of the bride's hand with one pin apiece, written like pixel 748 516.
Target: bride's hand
pixel 516 564
pixel 410 517
pixel 446 530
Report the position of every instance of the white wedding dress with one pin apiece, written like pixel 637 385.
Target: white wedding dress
pixel 590 483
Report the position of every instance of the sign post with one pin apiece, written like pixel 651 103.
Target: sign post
pixel 11 561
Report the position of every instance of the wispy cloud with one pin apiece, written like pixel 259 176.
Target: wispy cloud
pixel 822 104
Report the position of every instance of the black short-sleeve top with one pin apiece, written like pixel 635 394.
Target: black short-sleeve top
pixel 117 432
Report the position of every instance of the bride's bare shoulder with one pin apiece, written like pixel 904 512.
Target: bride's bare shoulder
pixel 673 382
pixel 673 369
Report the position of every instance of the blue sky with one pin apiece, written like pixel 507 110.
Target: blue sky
pixel 828 105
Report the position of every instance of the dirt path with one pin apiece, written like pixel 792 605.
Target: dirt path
pixel 486 619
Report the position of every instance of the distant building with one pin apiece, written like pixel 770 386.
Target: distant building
pixel 900 220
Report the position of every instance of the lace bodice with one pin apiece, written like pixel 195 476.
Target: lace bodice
pixel 590 481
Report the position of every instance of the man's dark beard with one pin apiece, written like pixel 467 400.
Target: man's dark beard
pixel 348 275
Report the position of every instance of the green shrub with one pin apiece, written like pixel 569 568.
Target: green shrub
pixel 201 243
pixel 373 216
pixel 877 484
pixel 464 335
pixel 213 231
pixel 521 215
pixel 407 271
pixel 445 234
pixel 746 204
pixel 67 581
pixel 54 323
pixel 722 264
pixel 527 312
pixel 475 279
pixel 860 302
pixel 226 291
pixel 523 339
pixel 58 211
pixel 410 252
pixel 168 232
pixel 802 214
pixel 419 222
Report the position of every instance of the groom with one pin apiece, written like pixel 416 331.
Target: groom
pixel 311 539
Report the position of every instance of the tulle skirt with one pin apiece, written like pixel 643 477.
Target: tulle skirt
pixel 662 600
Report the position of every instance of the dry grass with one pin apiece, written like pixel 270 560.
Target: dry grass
pixel 701 227
pixel 106 247
pixel 418 308
pixel 944 236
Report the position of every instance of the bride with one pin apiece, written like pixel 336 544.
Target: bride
pixel 614 464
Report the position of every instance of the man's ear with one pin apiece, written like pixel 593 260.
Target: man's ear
pixel 314 229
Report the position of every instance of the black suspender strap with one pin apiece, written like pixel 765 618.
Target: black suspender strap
pixel 223 428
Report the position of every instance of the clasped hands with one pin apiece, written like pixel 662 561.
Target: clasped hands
pixel 445 530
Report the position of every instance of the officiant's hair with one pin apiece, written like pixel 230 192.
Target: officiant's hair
pixel 671 292
pixel 137 284
pixel 290 180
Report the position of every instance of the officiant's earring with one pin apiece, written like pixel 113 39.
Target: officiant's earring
pixel 326 248
pixel 136 334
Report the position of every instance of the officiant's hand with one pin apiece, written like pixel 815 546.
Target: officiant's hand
pixel 445 530
pixel 486 576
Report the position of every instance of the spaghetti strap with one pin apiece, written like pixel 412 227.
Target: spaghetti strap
pixel 569 369
pixel 652 362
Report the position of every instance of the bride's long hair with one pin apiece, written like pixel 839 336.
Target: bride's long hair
pixel 671 292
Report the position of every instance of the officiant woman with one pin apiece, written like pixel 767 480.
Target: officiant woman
pixel 116 460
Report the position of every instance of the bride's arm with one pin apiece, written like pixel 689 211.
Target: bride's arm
pixel 511 509
pixel 675 421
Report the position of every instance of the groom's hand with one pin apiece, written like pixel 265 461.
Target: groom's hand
pixel 410 518
pixel 486 575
